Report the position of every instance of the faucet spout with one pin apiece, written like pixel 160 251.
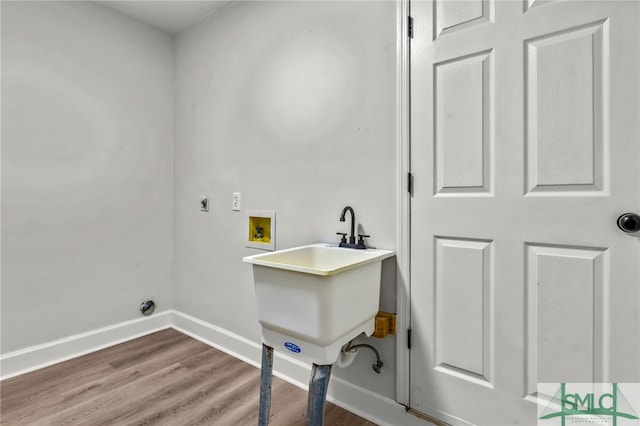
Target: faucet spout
pixel 352 237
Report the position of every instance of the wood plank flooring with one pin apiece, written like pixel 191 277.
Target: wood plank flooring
pixel 166 378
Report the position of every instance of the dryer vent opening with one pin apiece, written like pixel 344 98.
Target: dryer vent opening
pixel 147 307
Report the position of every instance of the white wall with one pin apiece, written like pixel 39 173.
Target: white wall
pixel 293 105
pixel 290 103
pixel 87 134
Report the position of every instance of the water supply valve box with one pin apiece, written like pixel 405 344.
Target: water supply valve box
pixel 261 227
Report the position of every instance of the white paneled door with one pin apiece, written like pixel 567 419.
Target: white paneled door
pixel 525 149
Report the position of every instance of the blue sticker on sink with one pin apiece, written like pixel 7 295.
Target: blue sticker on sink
pixel 292 347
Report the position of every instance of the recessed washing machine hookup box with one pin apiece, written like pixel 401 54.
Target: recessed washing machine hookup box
pixel 262 229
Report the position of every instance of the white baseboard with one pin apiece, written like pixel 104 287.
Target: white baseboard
pixel 370 405
pixel 35 357
pixel 221 339
pixel 367 404
pixel 289 369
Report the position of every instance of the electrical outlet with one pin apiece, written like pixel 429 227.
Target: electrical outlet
pixel 236 201
pixel 204 203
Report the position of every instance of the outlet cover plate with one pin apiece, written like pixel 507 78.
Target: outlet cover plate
pixel 204 203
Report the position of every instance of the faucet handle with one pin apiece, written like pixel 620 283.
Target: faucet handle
pixel 344 236
pixel 361 238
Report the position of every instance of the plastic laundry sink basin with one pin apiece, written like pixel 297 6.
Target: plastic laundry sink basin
pixel 313 299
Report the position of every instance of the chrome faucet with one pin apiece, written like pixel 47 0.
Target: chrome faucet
pixel 352 238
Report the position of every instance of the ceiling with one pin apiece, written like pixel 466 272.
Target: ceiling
pixel 172 16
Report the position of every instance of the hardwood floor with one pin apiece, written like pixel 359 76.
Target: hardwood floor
pixel 166 378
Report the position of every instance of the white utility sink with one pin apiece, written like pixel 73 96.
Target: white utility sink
pixel 314 299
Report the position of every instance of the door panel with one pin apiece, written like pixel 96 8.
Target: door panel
pixel 462 123
pixel 525 149
pixel 457 15
pixel 463 325
pixel 555 277
pixel 565 110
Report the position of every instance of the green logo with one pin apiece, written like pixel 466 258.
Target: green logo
pixel 589 407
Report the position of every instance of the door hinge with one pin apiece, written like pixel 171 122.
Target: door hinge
pixel 409 338
pixel 410 183
pixel 410 26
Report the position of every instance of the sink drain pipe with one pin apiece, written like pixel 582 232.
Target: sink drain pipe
pixel 353 349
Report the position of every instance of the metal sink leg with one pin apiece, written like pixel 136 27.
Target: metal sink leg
pixel 320 375
pixel 265 385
